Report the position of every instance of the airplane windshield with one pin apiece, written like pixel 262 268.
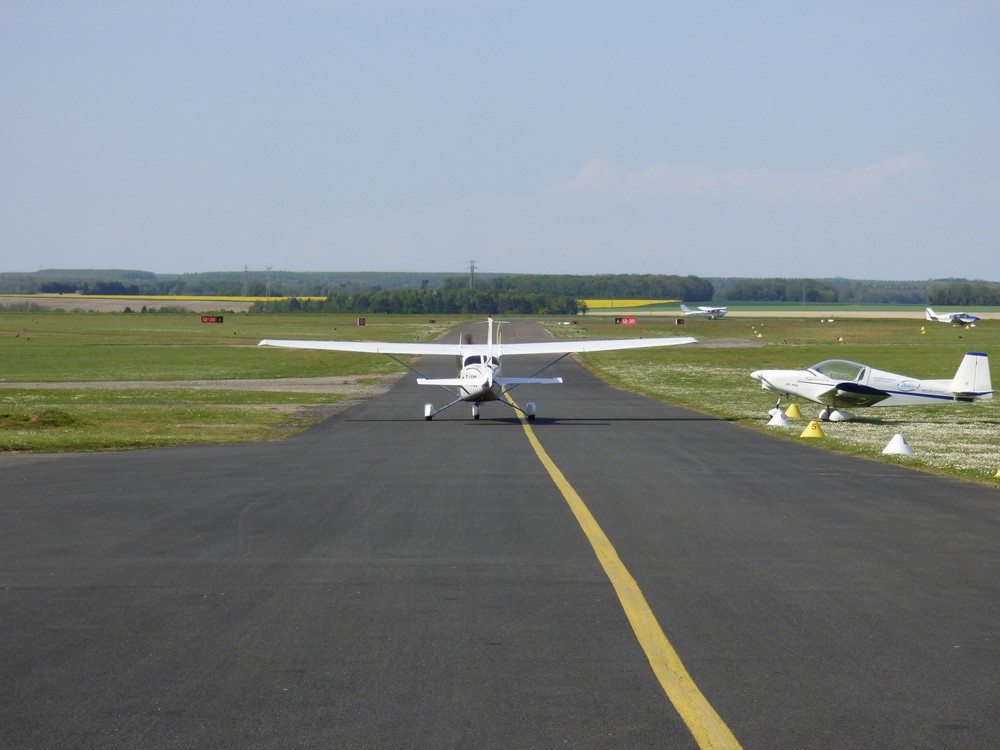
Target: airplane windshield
pixel 477 359
pixel 839 369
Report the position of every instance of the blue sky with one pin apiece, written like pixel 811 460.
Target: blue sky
pixel 813 139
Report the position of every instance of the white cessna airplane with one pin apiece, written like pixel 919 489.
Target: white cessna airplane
pixel 712 313
pixel 839 382
pixel 957 318
pixel 480 377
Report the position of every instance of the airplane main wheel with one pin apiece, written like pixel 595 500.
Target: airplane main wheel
pixel 475 411
pixel 428 412
pixel 530 409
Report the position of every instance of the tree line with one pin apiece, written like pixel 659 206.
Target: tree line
pixel 427 301
pixel 517 294
pixel 600 286
pixel 852 291
pixel 966 294
pixel 366 292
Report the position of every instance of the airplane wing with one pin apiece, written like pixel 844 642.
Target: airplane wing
pixel 556 346
pixel 859 395
pixel 370 347
pixel 849 393
pixel 570 346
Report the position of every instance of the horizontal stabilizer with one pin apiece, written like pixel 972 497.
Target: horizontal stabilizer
pixel 453 382
pixel 525 381
pixel 447 382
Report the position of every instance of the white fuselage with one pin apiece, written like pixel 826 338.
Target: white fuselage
pixel 479 379
pixel 840 382
pixel 955 318
pixel 814 386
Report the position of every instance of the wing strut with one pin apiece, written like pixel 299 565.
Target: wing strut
pixel 407 365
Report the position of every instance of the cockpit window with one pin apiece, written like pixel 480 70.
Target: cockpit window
pixel 839 369
pixel 477 359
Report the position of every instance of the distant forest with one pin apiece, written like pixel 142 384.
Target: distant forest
pixel 502 293
pixel 859 292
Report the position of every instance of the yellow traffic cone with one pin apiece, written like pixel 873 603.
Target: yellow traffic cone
pixel 812 431
pixel 792 412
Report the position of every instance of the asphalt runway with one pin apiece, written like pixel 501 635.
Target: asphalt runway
pixel 382 581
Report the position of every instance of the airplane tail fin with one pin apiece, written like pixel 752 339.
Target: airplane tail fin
pixel 684 308
pixel 929 314
pixel 972 381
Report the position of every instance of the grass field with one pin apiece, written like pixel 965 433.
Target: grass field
pixel 91 349
pixel 961 440
pixel 958 440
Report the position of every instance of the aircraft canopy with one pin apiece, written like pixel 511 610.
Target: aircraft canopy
pixel 839 369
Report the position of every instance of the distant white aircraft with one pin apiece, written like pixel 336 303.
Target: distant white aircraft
pixel 480 376
pixel 712 313
pixel 956 318
pixel 836 383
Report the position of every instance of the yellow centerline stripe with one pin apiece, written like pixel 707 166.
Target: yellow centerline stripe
pixel 705 724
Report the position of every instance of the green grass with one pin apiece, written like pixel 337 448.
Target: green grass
pixel 956 440
pixel 960 440
pixel 49 347
pixel 53 347
pixel 122 427
pixel 82 419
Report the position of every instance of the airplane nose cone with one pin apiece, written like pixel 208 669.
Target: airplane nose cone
pixel 757 374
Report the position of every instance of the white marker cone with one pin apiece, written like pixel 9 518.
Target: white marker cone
pixel 897 447
pixel 778 420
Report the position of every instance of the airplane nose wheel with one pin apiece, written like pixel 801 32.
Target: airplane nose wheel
pixel 475 411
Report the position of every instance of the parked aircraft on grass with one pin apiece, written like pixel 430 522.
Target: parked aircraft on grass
pixel 712 313
pixel 956 318
pixel 837 383
pixel 480 377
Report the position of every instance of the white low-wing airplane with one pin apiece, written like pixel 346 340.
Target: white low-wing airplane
pixel 836 383
pixel 480 377
pixel 955 318
pixel 712 313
